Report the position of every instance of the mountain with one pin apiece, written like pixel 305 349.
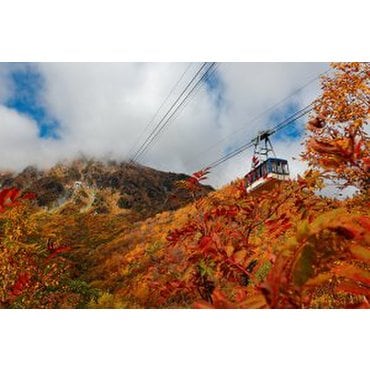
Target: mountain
pixel 104 187
pixel 55 224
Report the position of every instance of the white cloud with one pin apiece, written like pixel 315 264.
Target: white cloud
pixel 18 137
pixel 102 109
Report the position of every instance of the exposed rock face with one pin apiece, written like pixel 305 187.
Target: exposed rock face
pixel 48 189
pixel 141 189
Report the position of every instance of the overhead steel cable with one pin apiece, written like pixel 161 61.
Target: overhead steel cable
pixel 297 115
pixel 175 106
pixel 230 155
pixel 302 112
pixel 159 109
pixel 194 93
pixel 294 117
pixel 252 142
pixel 171 115
pixel 258 116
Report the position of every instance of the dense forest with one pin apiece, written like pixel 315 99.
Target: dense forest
pixel 119 235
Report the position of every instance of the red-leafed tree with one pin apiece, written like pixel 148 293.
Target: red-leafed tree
pixel 317 249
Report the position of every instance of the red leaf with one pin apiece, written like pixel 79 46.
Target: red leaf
pixel 352 287
pixel 57 251
pixel 204 242
pixel 9 197
pixel 29 196
pixel 353 273
pixel 21 283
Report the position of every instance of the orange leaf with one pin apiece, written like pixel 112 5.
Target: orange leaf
pixel 353 288
pixel 353 273
pixel 239 256
pixel 360 252
pixel 229 250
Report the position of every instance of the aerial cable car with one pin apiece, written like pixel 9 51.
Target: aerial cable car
pixel 266 171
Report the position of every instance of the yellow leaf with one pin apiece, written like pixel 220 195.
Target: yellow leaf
pixel 353 273
pixel 360 252
pixel 229 250
pixel 255 301
pixel 239 256
pixel 319 279
pixel 303 230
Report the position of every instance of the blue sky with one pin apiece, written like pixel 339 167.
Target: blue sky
pixel 27 86
pixel 293 131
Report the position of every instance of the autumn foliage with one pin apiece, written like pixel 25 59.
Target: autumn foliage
pixel 288 247
pixel 32 275
pixel 279 250
pixel 338 143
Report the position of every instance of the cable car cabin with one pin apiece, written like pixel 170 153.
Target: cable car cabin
pixel 267 174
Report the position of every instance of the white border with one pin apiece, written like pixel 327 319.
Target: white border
pixel 170 30
pixel 184 339
pixel 139 30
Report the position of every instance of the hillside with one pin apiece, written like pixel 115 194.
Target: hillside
pixel 218 251
pixel 62 216
pixel 103 187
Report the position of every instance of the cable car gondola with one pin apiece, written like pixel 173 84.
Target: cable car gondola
pixel 266 171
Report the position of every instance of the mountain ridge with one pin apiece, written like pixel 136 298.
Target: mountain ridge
pixel 143 190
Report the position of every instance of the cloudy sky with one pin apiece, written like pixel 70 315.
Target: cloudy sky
pixel 52 112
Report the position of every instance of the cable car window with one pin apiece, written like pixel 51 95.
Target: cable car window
pixel 263 170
